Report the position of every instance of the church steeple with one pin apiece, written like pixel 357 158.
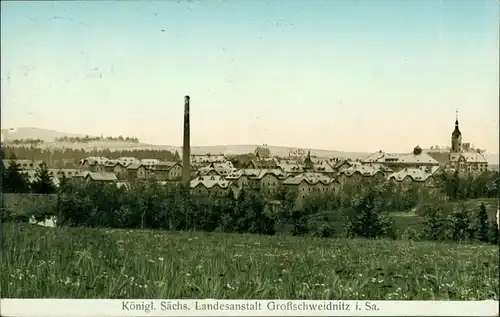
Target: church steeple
pixel 456 137
pixel 456 132
pixel 308 163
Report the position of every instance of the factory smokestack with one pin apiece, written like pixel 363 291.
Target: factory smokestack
pixel 186 147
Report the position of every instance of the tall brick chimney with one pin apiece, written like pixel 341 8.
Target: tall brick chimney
pixel 186 147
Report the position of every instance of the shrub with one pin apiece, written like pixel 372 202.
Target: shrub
pixel 459 225
pixel 410 234
pixel 5 214
pixel 434 223
pixel 366 217
pixel 299 220
pixel 323 230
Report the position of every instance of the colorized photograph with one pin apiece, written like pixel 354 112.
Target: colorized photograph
pixel 250 150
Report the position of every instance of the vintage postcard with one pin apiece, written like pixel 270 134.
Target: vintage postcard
pixel 249 157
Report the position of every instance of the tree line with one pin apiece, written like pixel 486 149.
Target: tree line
pixel 362 211
pixel 69 158
pixel 15 181
pixel 87 139
pixel 31 142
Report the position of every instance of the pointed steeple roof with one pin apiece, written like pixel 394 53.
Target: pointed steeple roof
pixel 308 163
pixel 456 132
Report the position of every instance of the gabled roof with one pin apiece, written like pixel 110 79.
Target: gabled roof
pixel 278 172
pixel 265 163
pixel 256 173
pixel 100 160
pixel 309 178
pixel 219 171
pixel 134 166
pixel 113 163
pixel 364 170
pixel 342 162
pixel 102 176
pixel 416 174
pixel 249 172
pixel 210 182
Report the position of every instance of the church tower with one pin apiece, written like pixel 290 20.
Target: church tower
pixel 308 163
pixel 456 138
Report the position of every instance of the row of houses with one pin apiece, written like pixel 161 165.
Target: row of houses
pixel 269 176
pixel 270 181
pixel 129 168
pixel 28 168
pixel 213 175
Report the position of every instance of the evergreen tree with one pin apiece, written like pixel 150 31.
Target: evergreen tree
pixel 44 183
pixel 482 230
pixel 177 157
pixel 455 186
pixel 13 179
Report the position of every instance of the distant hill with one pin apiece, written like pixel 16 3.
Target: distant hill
pixel 34 133
pixel 49 136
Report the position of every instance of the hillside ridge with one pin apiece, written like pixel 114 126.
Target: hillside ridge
pixel 49 136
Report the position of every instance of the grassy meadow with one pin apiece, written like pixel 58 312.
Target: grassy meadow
pixel 102 263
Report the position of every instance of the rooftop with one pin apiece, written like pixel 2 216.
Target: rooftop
pixel 416 157
pixel 310 178
pixel 210 182
pixel 102 176
pixel 416 174
pixel 365 170
pixel 470 157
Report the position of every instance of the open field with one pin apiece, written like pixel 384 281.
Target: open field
pixel 100 263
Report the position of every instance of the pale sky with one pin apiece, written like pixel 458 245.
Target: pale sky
pixel 338 75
